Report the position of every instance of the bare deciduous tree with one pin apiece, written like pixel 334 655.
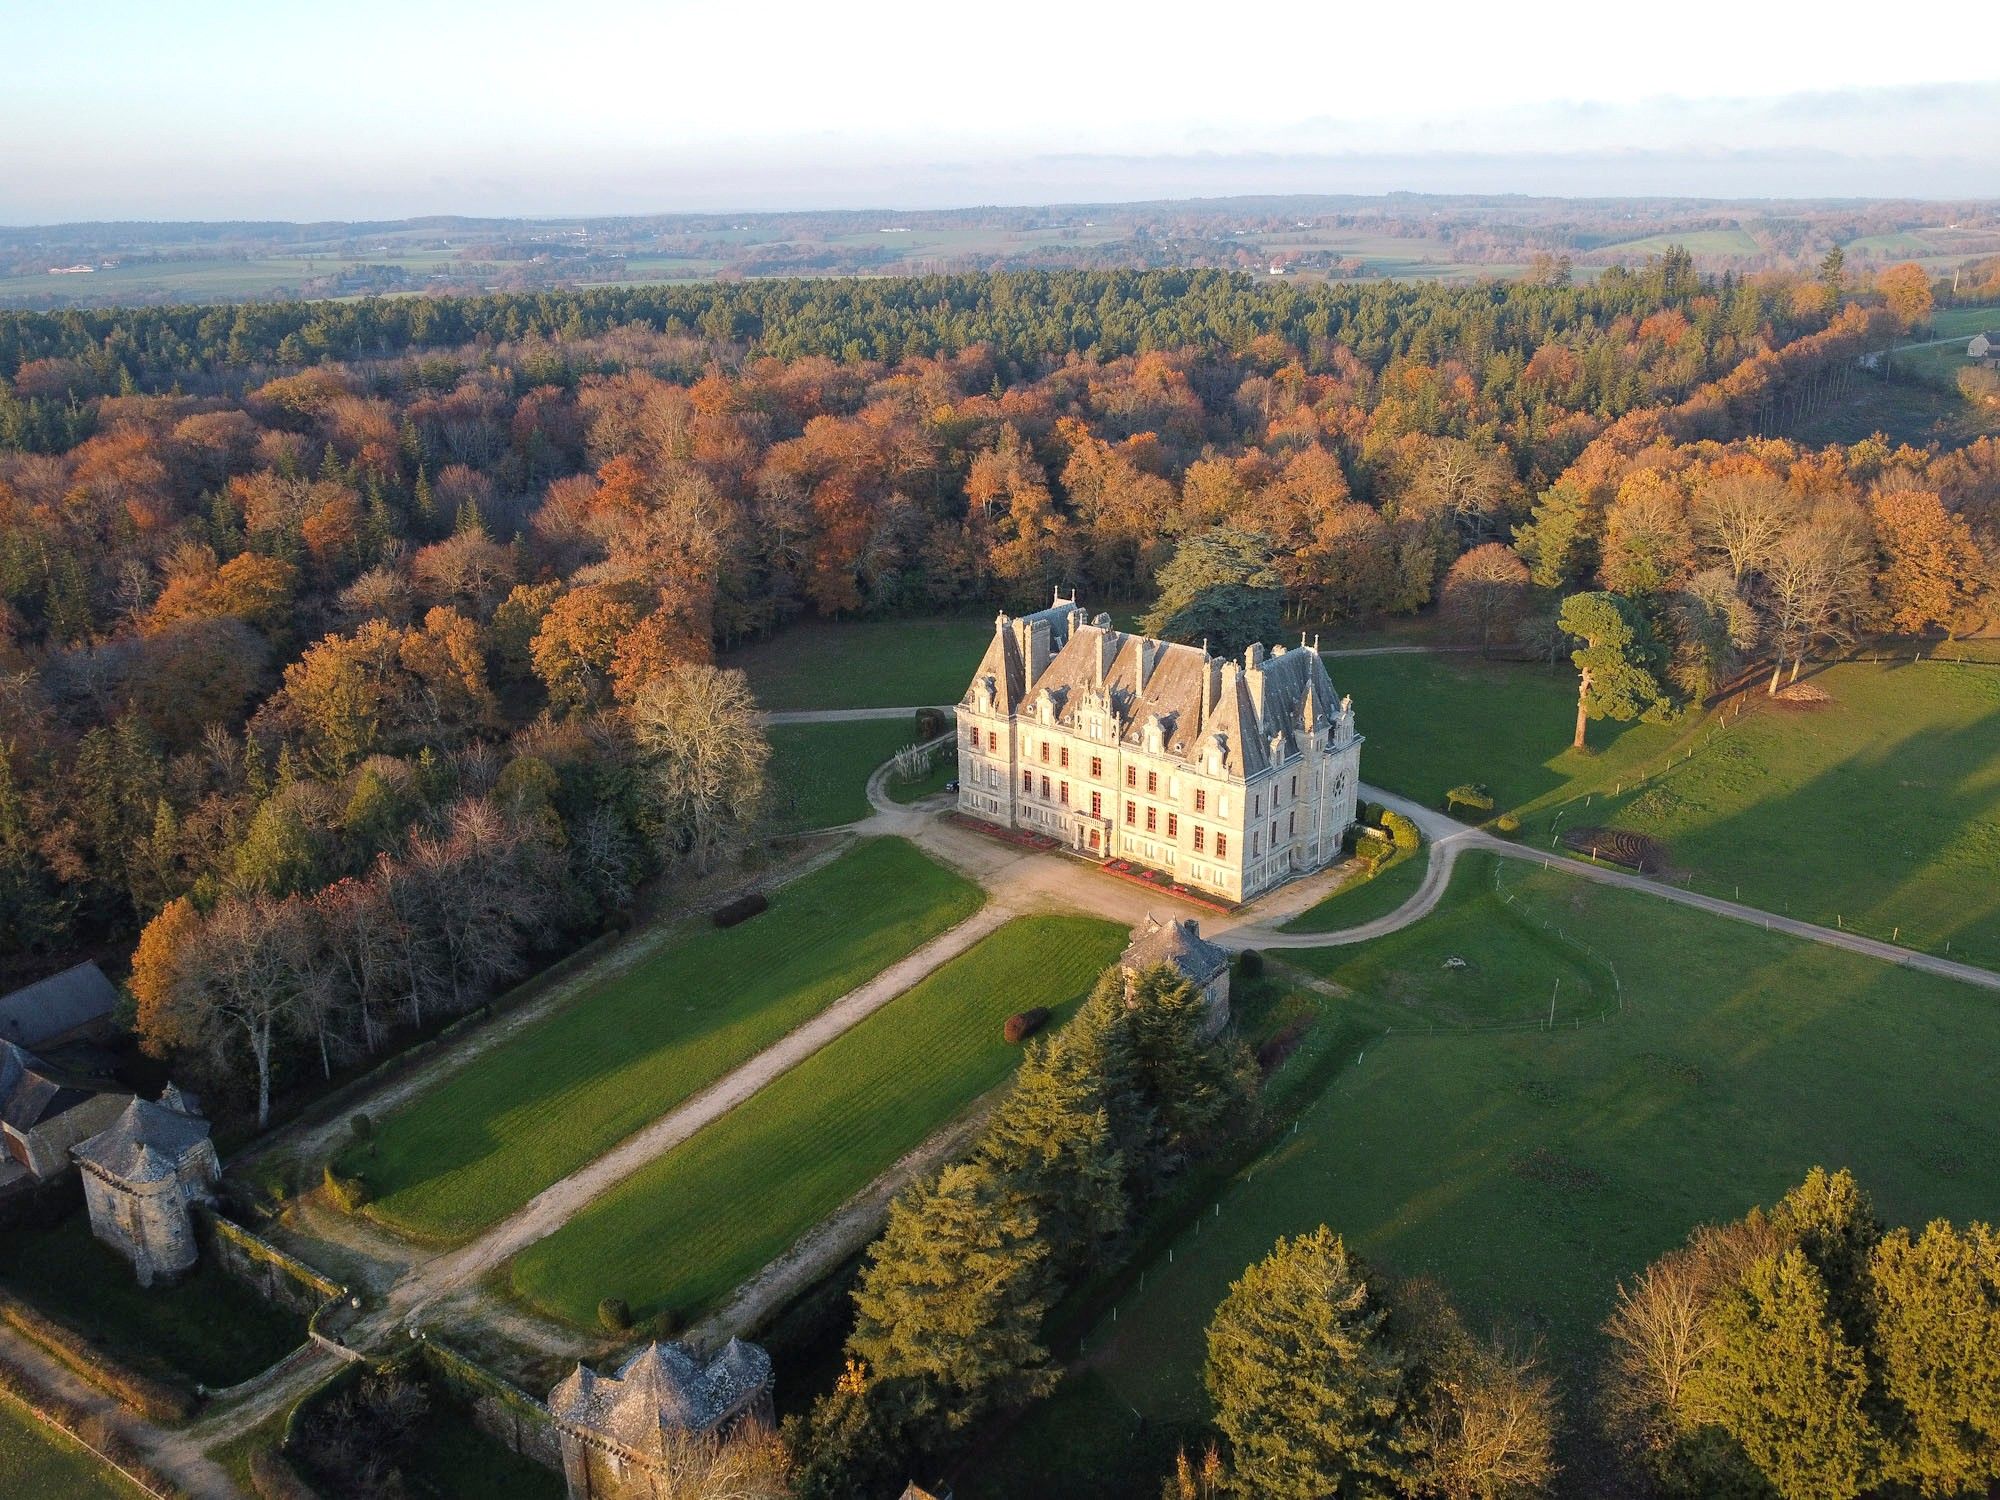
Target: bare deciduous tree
pixel 703 755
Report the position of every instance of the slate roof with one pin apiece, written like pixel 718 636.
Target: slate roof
pixel 31 1092
pixel 1176 942
pixel 56 1006
pixel 146 1143
pixel 663 1388
pixel 1254 710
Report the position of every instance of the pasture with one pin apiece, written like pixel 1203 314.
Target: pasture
pixel 686 1229
pixel 1362 896
pixel 1432 722
pixel 819 772
pixel 556 1094
pixel 37 1461
pixel 1530 1169
pixel 865 663
pixel 1880 810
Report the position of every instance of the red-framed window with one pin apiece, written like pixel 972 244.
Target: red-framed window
pixel 1173 826
pixel 1152 819
pixel 1131 813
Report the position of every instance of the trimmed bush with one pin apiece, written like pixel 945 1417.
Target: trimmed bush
pixel 1402 832
pixel 1250 964
pixel 1468 796
pixel 1368 814
pixel 664 1324
pixel 1024 1023
pixel 931 722
pixel 348 1194
pixel 1508 824
pixel 742 909
pixel 614 1314
pixel 362 1126
pixel 1372 848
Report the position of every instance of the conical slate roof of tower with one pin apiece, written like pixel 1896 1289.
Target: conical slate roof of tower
pixel 663 1388
pixel 144 1144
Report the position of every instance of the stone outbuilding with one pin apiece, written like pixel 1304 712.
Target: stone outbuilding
pixel 143 1177
pixel 44 1111
pixel 1178 943
pixel 65 1007
pixel 619 1432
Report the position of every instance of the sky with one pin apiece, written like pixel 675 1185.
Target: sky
pixel 209 109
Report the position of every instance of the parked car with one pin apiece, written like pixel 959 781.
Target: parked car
pixel 951 786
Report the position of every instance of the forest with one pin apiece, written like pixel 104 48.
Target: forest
pixel 356 658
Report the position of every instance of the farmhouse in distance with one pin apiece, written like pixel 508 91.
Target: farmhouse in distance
pixel 1231 776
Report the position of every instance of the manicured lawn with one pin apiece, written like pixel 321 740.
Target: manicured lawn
pixel 554 1096
pixel 691 1226
pixel 1363 897
pixel 37 1461
pixel 208 1327
pixel 866 663
pixel 819 772
pixel 1432 722
pixel 1880 810
pixel 1531 1169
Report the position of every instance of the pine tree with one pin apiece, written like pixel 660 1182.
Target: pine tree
pixel 1785 1383
pixel 953 1297
pixel 1305 1384
pixel 1935 1303
pixel 1051 1141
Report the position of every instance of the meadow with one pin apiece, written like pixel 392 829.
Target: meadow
pixel 1529 1169
pixel 1362 896
pixel 558 1093
pixel 688 1228
pixel 819 772
pixel 37 1461
pixel 1880 810
pixel 865 663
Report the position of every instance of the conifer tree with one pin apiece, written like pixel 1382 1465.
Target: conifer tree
pixel 1935 1305
pixel 953 1297
pixel 1051 1141
pixel 1305 1383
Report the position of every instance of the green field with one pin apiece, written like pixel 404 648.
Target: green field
pixel 688 1228
pixel 1433 722
pixel 865 663
pixel 1362 898
pixel 38 1463
pixel 1879 811
pixel 1530 1169
pixel 208 1327
pixel 1696 242
pixel 819 772
pixel 561 1092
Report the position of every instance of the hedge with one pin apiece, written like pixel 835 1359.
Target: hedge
pixel 348 1194
pixel 154 1399
pixel 742 909
pixel 1402 832
pixel 1025 1023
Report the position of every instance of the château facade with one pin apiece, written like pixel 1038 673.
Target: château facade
pixel 1230 776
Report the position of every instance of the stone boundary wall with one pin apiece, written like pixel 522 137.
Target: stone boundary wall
pixel 276 1276
pixel 501 1410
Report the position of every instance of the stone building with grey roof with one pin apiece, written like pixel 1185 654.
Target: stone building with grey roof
pixel 44 1111
pixel 1177 944
pixel 143 1176
pixel 64 1007
pixel 621 1433
pixel 1231 776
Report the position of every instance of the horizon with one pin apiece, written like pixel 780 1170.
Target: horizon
pixel 222 112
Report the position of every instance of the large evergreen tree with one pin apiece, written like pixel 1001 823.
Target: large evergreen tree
pixel 1218 587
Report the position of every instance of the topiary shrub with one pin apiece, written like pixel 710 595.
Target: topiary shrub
pixel 664 1324
pixel 1369 814
pixel 932 722
pixel 349 1194
pixel 1372 849
pixel 1250 964
pixel 1507 824
pixel 615 1314
pixel 1402 832
pixel 1024 1023
pixel 1469 796
pixel 742 909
